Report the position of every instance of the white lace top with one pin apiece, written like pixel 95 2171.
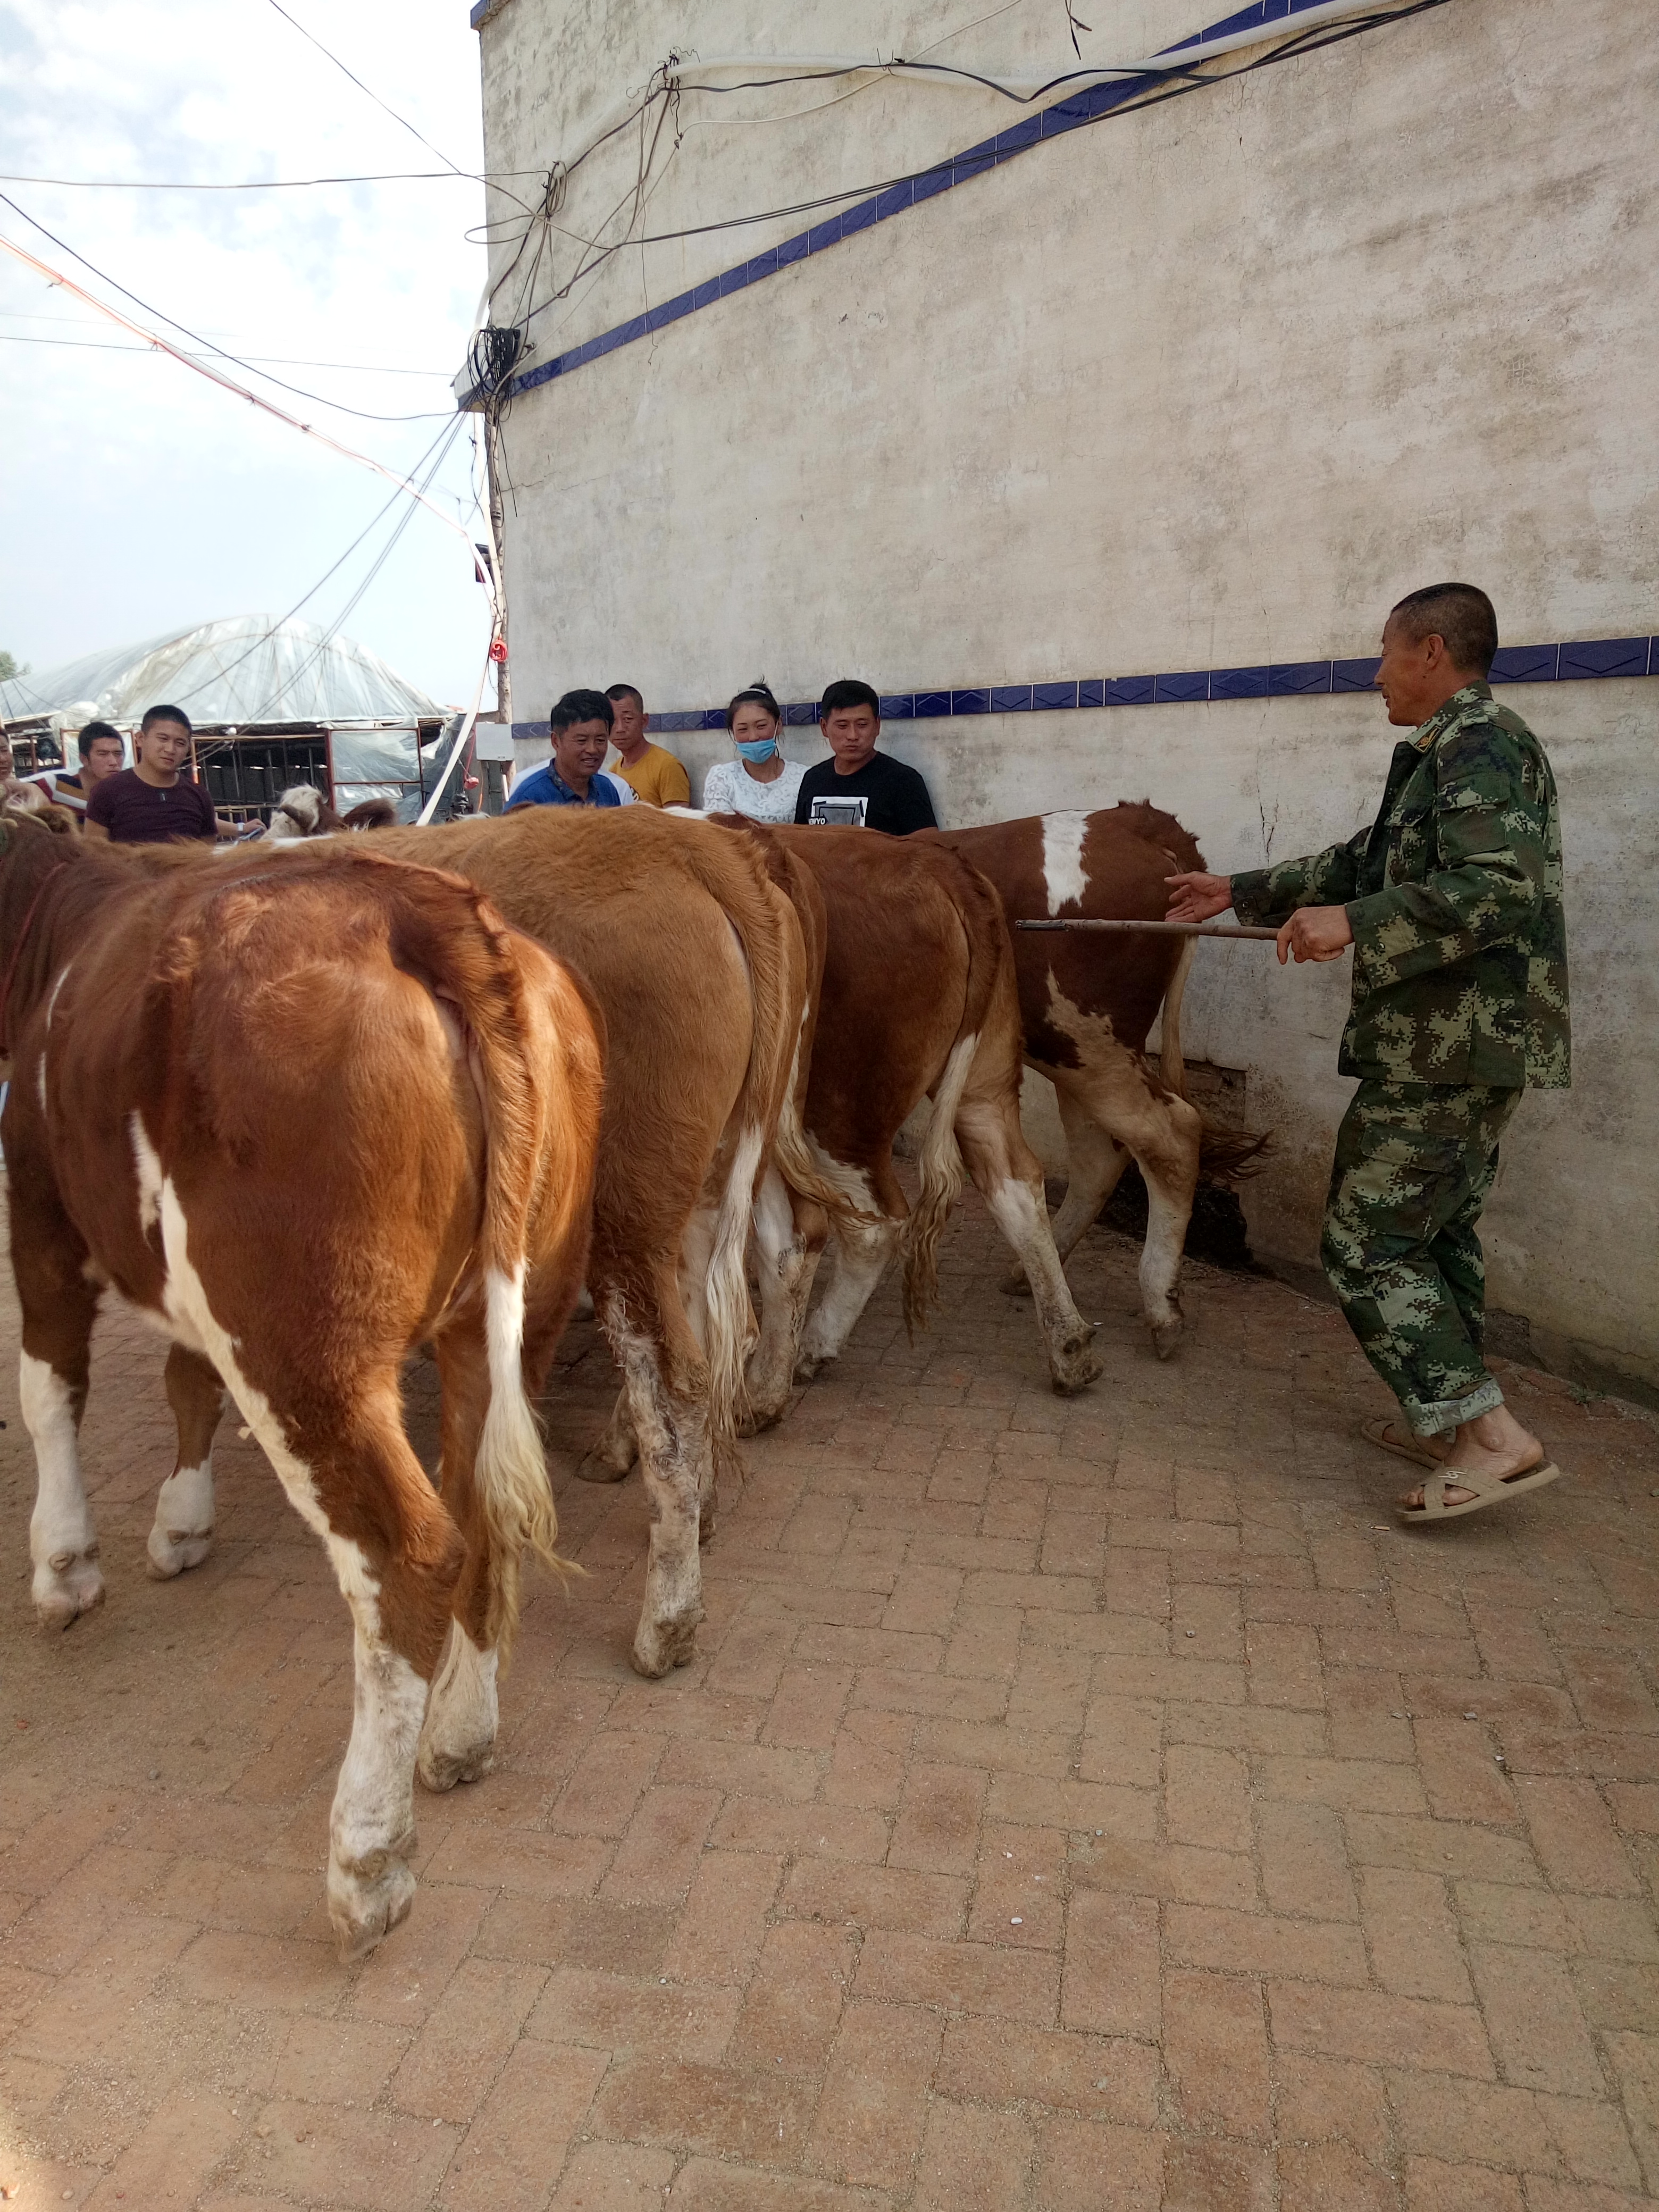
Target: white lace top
pixel 728 789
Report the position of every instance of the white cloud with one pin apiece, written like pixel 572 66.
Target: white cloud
pixel 135 496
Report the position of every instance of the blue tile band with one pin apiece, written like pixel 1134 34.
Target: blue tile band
pixel 1581 663
pixel 1089 104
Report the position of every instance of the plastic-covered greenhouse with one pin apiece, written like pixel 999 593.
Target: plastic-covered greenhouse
pixel 273 703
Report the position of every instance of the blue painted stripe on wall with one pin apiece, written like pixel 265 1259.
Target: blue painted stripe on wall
pixel 1584 662
pixel 1077 110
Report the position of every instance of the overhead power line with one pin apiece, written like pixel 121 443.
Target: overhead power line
pixel 364 89
pixel 228 384
pixel 217 353
pixel 285 361
pixel 263 184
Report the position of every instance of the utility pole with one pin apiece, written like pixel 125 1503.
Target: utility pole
pixel 495 355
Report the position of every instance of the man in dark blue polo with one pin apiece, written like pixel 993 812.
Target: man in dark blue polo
pixel 575 776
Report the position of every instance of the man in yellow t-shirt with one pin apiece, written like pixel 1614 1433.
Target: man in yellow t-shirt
pixel 652 773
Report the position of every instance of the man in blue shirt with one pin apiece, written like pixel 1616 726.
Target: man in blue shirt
pixel 580 725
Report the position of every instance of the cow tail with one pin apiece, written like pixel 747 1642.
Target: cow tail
pixel 537 1179
pixel 1225 1156
pixel 941 1172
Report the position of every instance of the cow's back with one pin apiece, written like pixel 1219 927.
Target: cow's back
pixel 1107 865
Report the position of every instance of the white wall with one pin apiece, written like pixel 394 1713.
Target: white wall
pixel 1211 385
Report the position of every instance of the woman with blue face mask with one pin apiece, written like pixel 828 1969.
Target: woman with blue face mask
pixel 759 782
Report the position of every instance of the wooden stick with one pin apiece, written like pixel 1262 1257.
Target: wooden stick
pixel 1160 928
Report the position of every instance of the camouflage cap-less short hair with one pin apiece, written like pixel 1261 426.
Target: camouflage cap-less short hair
pixel 1460 614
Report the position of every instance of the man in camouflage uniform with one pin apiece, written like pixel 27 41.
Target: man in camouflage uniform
pixel 1452 902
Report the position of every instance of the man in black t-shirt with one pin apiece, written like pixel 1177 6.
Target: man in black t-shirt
pixel 859 786
pixel 153 803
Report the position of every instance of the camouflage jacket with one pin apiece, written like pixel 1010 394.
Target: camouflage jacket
pixel 1454 896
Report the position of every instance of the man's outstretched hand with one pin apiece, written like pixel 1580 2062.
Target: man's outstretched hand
pixel 1198 897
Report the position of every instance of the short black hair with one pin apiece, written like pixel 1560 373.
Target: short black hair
pixel 626 691
pixel 89 737
pixel 581 706
pixel 849 691
pixel 153 714
pixel 1461 614
pixel 757 694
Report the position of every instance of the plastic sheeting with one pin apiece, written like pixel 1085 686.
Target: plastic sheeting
pixel 249 668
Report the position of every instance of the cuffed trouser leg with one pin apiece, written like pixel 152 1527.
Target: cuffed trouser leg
pixel 1414 1163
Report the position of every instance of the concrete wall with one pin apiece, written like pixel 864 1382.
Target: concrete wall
pixel 1209 384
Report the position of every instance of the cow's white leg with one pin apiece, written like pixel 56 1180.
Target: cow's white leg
pixel 63 1542
pixel 182 1535
pixel 1170 1172
pixel 1018 1209
pixel 1009 1176
pixel 457 1742
pixel 371 1828
pixel 372 1824
pixel 788 1238
pixel 861 1251
pixel 672 1428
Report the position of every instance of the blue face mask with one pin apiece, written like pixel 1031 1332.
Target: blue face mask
pixel 756 749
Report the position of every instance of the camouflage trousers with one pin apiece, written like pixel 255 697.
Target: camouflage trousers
pixel 1414 1161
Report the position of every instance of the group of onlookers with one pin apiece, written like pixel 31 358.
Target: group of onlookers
pixel 857 785
pixel 151 803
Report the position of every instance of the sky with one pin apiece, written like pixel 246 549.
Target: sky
pixel 135 497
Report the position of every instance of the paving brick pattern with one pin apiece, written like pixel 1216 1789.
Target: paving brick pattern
pixel 1072 1805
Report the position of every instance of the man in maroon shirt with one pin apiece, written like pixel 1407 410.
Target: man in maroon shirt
pixel 152 804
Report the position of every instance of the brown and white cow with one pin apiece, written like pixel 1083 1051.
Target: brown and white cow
pixel 917 1000
pixel 698 967
pixel 303 1116
pixel 1088 1002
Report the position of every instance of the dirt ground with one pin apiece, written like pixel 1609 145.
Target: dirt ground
pixel 1074 1805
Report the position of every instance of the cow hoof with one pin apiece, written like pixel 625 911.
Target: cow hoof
pixel 1166 1335
pixel 665 1645
pixel 594 1466
pixel 365 1904
pixel 440 1769
pixel 1076 1367
pixel 67 1585
pixel 1015 1285
pixel 175 1551
pixel 811 1364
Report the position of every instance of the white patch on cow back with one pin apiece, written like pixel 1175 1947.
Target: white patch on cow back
pixel 1062 858
pixel 193 1323
pixel 147 1163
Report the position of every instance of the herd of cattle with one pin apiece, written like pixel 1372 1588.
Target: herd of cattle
pixel 309 1107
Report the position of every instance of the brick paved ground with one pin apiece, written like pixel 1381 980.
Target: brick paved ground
pixel 1073 1806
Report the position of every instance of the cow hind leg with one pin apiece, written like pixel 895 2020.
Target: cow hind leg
pixel 457 1738
pixel 1163 1134
pixel 859 1255
pixel 1009 1176
pixel 1094 1162
pixel 667 1400
pixel 182 1535
pixel 789 1233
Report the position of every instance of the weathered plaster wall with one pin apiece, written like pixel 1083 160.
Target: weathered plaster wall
pixel 1209 384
